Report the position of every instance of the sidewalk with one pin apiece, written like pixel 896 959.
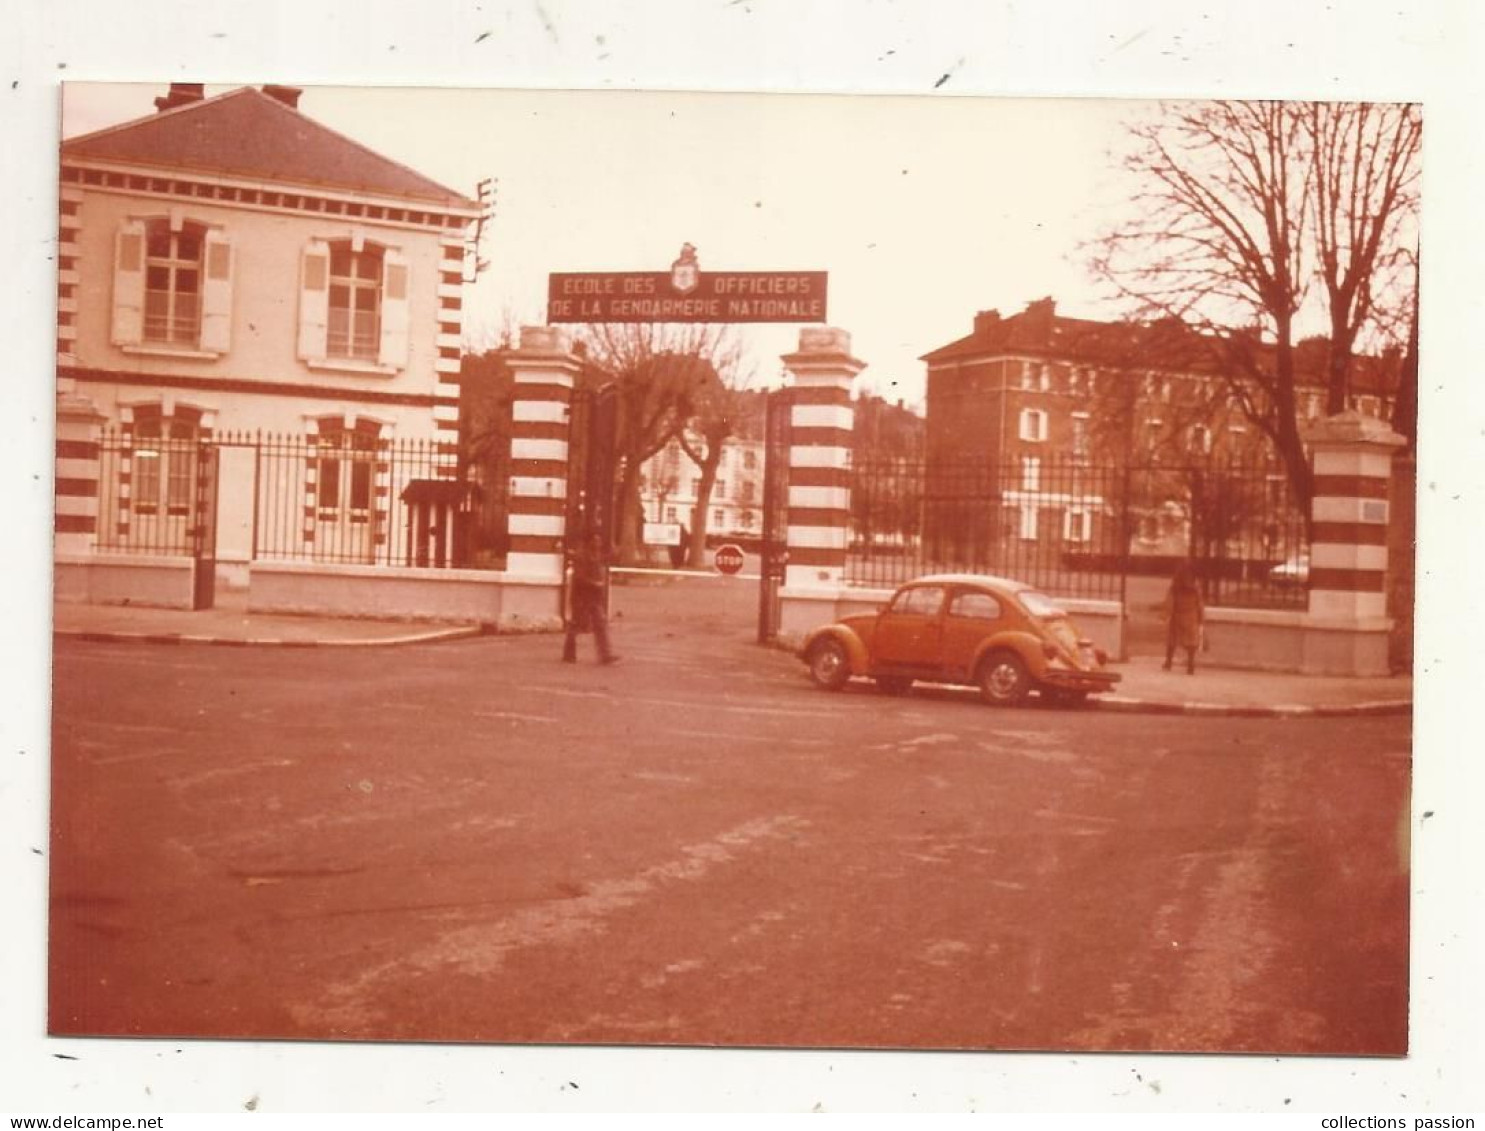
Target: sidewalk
pixel 1144 688
pixel 231 623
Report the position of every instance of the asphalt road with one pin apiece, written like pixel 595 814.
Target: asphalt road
pixel 471 841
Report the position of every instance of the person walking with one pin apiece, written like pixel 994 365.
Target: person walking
pixel 1184 612
pixel 589 597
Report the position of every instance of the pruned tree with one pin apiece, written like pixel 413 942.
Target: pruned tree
pixel 1249 217
pixel 661 371
pixel 718 409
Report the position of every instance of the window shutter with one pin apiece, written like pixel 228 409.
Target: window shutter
pixel 314 301
pixel 216 294
pixel 128 284
pixel 393 350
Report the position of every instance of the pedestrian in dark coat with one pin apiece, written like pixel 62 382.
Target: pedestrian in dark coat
pixel 589 600
pixel 1184 612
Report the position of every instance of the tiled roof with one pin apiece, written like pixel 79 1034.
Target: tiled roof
pixel 1039 331
pixel 246 133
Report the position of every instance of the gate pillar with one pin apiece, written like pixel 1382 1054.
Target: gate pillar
pixel 822 420
pixel 1346 629
pixel 77 474
pixel 543 375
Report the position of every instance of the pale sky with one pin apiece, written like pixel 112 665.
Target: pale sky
pixel 923 210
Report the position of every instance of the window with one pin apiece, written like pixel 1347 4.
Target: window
pixel 980 606
pixel 172 286
pixel 1031 473
pixel 1033 425
pixel 1080 444
pixel 172 283
pixel 1028 378
pixel 1077 525
pixel 922 601
pixel 163 464
pixel 718 517
pixel 1028 522
pixel 670 514
pixel 353 305
pixel 749 459
pixel 720 490
pixel 1200 439
pixel 355 302
pixel 346 457
pixel 748 492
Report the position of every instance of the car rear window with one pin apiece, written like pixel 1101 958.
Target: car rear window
pixel 1040 605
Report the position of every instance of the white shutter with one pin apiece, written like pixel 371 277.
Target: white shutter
pixel 128 284
pixel 394 312
pixel 216 294
pixel 314 300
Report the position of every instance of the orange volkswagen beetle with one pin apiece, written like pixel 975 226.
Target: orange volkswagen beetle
pixel 999 635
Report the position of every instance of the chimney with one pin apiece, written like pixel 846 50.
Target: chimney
pixel 288 95
pixel 986 320
pixel 180 94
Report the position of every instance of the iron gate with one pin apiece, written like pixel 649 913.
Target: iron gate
pixel 777 428
pixel 592 433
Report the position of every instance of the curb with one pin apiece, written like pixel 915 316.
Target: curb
pixel 101 637
pixel 1118 705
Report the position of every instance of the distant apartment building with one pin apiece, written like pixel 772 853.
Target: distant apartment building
pixel 671 489
pixel 1022 403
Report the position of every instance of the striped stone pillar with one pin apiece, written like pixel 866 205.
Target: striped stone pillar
pixel 543 374
pixel 78 464
pixel 820 458
pixel 1347 627
pixel 446 365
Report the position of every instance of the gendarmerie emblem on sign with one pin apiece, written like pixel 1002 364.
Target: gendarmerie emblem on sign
pixel 685 272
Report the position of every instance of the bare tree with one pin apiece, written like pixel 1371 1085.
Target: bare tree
pixel 1241 207
pixel 717 412
pixel 1365 200
pixel 661 371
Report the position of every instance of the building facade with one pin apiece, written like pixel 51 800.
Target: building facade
pixel 672 483
pixel 1039 403
pixel 230 266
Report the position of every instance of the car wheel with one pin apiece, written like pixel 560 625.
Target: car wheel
pixel 894 684
pixel 829 667
pixel 1004 681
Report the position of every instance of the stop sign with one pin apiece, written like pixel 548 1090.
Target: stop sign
pixel 728 557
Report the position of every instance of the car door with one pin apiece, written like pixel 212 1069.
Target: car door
pixel 972 615
pixel 910 630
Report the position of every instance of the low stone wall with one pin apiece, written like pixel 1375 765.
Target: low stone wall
pixel 510 603
pixel 156 582
pixel 1259 639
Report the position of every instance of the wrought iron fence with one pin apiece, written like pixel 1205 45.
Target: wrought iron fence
pixel 348 497
pixel 1077 528
pixel 147 494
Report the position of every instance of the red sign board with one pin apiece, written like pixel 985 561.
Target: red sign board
pixel 708 296
pixel 728 557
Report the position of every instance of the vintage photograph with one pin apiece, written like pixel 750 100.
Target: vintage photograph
pixel 680 569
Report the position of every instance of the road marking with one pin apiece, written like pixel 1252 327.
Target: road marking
pixel 518 717
pixel 568 691
pixel 480 950
pixel 712 705
pixel 927 740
